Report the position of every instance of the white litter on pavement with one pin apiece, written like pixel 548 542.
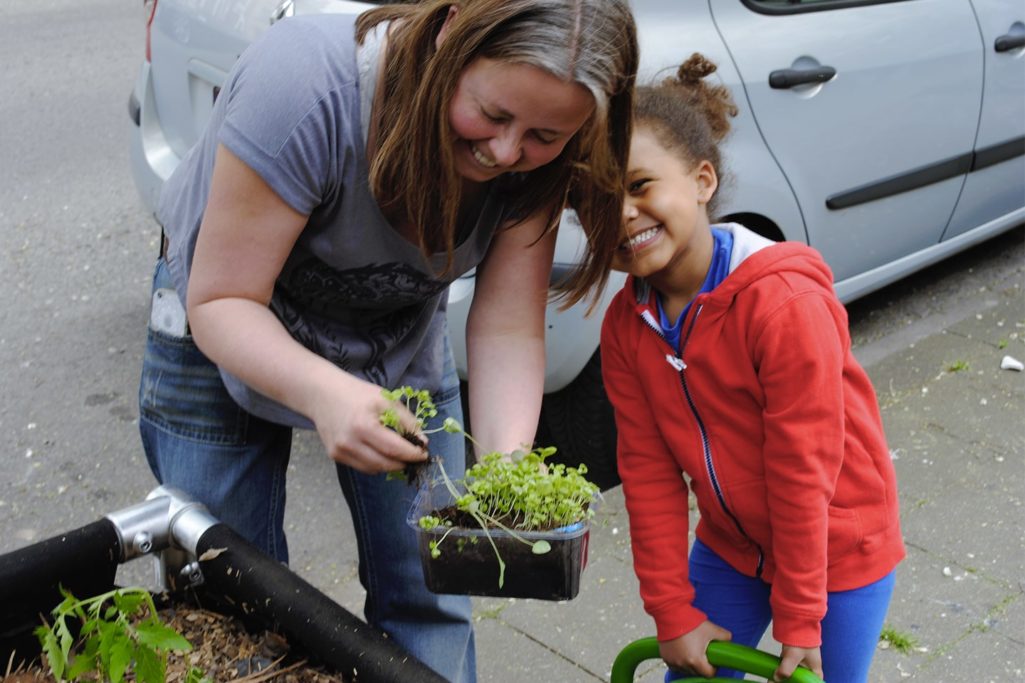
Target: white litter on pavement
pixel 1011 363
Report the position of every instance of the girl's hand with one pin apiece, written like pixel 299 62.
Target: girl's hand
pixel 348 421
pixel 687 653
pixel 792 656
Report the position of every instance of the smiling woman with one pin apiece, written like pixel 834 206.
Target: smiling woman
pixel 352 168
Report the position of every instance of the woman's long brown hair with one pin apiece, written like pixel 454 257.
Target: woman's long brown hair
pixel 412 173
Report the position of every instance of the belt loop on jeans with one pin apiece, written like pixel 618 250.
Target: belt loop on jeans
pixel 164 243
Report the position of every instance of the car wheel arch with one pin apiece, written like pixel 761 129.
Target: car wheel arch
pixel 758 223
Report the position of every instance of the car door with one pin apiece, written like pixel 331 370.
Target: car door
pixel 870 109
pixel 995 188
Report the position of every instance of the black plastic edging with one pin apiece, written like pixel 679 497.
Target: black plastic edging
pixel 328 632
pixel 83 561
pixel 927 175
pixel 902 182
pixel 994 154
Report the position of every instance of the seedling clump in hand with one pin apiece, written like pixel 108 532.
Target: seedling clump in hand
pixel 420 404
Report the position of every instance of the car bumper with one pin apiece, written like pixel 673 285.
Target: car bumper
pixel 151 157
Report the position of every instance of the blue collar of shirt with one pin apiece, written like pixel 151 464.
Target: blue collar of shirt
pixel 718 269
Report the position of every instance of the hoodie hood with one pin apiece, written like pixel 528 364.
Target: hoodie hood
pixel 754 258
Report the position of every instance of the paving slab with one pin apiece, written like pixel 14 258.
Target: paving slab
pixel 606 614
pixel 979 657
pixel 506 655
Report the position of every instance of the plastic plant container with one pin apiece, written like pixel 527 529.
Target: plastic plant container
pixel 468 564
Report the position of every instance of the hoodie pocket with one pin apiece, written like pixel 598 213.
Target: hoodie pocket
pixel 845 532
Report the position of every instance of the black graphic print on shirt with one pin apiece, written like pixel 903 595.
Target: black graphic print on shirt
pixel 353 317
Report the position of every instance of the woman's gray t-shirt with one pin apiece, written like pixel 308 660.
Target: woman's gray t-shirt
pixel 353 290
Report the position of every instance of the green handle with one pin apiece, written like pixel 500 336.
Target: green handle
pixel 720 653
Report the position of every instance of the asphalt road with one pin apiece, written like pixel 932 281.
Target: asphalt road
pixel 76 252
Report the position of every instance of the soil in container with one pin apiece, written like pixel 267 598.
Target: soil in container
pixel 468 565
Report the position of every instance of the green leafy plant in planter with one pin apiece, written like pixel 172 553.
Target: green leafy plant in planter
pixel 118 632
pixel 511 499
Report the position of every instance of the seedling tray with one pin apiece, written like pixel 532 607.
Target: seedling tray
pixel 468 564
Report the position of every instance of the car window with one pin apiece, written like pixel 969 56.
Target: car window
pixel 797 6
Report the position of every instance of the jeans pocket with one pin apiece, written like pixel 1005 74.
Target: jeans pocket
pixel 181 392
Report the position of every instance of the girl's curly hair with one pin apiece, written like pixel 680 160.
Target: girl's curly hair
pixel 687 114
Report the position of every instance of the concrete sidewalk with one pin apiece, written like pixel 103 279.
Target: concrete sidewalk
pixel 954 421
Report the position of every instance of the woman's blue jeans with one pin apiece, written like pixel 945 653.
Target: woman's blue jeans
pixel 197 439
pixel 740 604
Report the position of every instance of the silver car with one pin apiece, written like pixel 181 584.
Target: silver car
pixel 887 134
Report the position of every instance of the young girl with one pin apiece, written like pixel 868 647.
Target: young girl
pixel 728 362
pixel 353 167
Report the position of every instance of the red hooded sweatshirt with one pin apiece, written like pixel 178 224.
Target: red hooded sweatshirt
pixel 776 427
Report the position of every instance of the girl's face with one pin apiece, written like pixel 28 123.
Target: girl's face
pixel 509 117
pixel 665 224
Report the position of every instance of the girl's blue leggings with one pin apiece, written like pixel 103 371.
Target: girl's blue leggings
pixel 740 604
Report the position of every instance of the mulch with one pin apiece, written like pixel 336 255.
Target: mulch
pixel 222 647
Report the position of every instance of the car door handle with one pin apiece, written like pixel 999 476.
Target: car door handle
pixel 782 79
pixel 1008 42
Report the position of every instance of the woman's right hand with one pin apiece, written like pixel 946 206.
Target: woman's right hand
pixel 687 653
pixel 348 421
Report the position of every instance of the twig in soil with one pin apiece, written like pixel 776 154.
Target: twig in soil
pixel 269 672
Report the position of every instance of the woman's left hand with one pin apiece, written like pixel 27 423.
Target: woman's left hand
pixel 793 656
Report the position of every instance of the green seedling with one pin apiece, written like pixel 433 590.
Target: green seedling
pixel 513 492
pixel 417 402
pixel 957 366
pixel 118 632
pixel 523 494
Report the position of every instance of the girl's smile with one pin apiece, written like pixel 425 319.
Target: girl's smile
pixel 666 234
pixel 640 240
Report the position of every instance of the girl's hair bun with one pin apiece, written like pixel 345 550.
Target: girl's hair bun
pixel 694 69
pixel 713 100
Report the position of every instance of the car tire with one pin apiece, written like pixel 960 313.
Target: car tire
pixel 578 420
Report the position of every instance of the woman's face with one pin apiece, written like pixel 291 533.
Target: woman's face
pixel 508 117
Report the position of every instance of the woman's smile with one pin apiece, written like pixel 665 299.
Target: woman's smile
pixel 482 158
pixel 509 117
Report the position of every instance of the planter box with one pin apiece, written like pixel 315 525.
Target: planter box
pixel 240 581
pixel 468 565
